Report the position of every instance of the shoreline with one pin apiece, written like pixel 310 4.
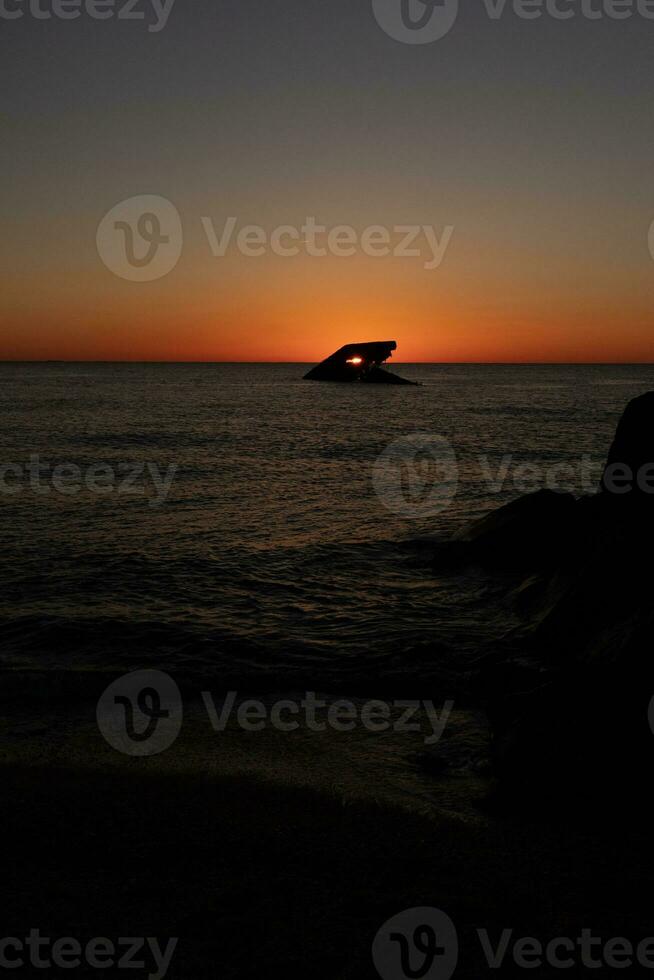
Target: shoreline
pixel 271 855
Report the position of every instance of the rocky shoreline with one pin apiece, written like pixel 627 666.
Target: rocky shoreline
pixel 568 692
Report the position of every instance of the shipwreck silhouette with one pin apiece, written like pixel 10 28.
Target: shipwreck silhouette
pixel 359 362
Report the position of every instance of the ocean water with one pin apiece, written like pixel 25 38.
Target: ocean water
pixel 277 555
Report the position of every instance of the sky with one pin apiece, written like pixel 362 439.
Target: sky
pixel 525 147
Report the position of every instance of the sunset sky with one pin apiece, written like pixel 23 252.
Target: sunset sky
pixel 533 139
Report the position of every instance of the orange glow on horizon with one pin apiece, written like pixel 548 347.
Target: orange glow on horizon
pixel 296 321
pixel 452 337
pixel 483 306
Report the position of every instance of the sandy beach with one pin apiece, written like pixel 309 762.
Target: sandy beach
pixel 270 854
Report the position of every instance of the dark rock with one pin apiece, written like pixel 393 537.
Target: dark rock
pixel 628 477
pixel 569 701
pixel 530 532
pixel 568 693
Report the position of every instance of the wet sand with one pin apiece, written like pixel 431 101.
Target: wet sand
pixel 293 874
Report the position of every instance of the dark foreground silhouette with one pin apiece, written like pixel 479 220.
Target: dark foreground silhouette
pixel 358 362
pixel 262 880
pixel 275 878
pixel 568 694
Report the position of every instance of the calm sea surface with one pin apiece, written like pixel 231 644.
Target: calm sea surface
pixel 271 556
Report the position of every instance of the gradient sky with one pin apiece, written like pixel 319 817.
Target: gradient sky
pixel 534 139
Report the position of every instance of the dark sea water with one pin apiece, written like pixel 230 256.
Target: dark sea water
pixel 272 558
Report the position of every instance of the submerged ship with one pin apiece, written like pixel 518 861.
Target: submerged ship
pixel 359 362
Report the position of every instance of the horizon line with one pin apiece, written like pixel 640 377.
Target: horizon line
pixel 57 360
